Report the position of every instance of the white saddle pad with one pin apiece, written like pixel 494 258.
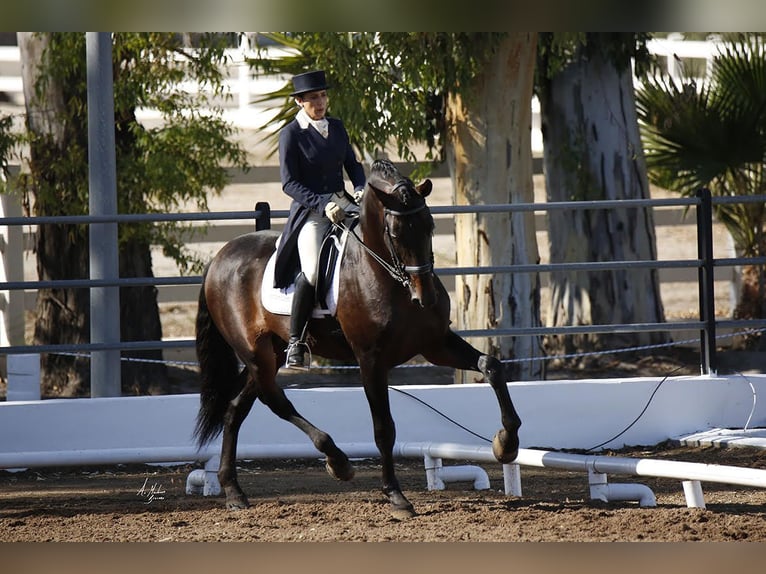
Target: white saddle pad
pixel 280 301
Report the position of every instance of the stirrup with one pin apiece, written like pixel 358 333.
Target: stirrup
pixel 296 356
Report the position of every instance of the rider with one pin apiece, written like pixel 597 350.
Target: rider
pixel 313 151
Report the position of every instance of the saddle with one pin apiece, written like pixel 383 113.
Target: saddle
pixel 279 301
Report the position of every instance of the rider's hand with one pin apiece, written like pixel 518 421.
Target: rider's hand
pixel 334 212
pixel 358 193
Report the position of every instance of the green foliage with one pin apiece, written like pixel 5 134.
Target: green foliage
pixel 386 87
pixel 158 168
pixel 7 144
pixel 712 133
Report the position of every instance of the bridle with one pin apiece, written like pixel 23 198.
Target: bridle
pixel 400 272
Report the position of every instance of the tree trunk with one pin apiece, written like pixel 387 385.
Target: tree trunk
pixel 592 151
pixel 59 313
pixel 62 315
pixel 490 160
pixel 143 371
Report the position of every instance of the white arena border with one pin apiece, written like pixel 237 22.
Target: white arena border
pixel 555 414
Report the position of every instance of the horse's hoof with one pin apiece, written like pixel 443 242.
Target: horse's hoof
pixel 401 508
pixel 404 513
pixel 340 471
pixel 238 503
pixel 505 447
pixel 235 498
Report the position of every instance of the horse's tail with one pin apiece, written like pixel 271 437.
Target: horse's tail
pixel 219 368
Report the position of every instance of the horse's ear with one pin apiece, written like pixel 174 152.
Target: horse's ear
pixel 376 183
pixel 424 189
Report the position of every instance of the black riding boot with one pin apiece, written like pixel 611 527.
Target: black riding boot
pixel 303 306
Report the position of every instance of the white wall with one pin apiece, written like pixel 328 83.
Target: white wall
pixel 555 414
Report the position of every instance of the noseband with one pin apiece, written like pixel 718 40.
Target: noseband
pixel 408 269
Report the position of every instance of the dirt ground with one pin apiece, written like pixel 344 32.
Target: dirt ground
pixel 297 501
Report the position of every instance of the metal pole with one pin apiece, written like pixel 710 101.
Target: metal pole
pixel 104 260
pixel 263 219
pixel 706 274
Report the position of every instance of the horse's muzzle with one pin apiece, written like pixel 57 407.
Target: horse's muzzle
pixel 422 290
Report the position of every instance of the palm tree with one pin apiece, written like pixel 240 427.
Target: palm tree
pixel 712 133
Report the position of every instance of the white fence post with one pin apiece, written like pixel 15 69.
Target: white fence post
pixel 11 269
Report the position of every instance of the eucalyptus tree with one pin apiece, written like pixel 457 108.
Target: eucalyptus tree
pixel 158 169
pixel 592 151
pixel 711 132
pixel 463 98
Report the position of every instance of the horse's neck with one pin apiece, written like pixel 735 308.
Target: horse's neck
pixel 371 231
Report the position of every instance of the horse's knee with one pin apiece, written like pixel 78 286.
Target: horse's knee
pixel 491 367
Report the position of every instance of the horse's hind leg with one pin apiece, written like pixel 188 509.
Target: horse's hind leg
pixel 273 396
pixel 236 413
pixel 336 462
pixel 457 353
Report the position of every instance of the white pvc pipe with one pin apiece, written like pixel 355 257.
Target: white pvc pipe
pixel 437 474
pixel 613 492
pixel 644 467
pixel 527 457
pixel 512 479
pixel 195 482
pixel 204 481
pixel 601 489
pixel 693 493
pixel 683 471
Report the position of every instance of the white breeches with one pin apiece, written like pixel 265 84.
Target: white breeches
pixel 310 238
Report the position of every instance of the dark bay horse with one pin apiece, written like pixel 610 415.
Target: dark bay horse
pixel 391 307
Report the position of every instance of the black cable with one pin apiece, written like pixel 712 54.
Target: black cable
pixel 646 406
pixel 623 431
pixel 441 414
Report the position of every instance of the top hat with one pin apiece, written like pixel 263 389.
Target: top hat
pixel 309 82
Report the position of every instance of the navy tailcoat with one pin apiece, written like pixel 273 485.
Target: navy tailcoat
pixel 311 168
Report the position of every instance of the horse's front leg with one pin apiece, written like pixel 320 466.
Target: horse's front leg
pixel 375 382
pixel 457 353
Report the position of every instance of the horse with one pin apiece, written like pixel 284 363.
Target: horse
pixel 391 307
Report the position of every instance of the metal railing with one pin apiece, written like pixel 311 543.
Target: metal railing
pixel 262 215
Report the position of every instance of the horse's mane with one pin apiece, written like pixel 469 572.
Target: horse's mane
pixel 385 169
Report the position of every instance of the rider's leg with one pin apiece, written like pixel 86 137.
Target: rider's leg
pixel 309 242
pixel 303 305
